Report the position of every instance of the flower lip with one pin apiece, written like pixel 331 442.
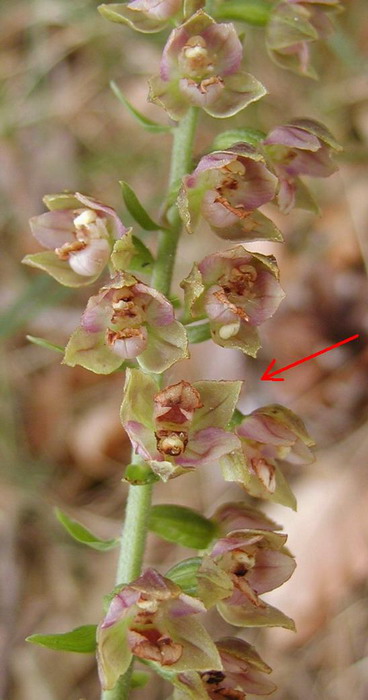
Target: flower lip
pixel 176 403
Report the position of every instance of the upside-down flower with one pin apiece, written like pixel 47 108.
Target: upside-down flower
pixel 237 291
pixel 252 562
pixel 268 435
pixel 127 320
pixel 201 67
pixel 153 619
pixel 243 672
pixel 301 147
pixel 143 15
pixel 181 427
pixel 293 26
pixel 226 189
pixel 80 233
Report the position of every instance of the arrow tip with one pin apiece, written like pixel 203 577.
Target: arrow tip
pixel 269 376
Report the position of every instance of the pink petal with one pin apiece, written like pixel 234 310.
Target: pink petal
pixel 118 227
pixel 54 228
pixel 207 446
pixel 92 259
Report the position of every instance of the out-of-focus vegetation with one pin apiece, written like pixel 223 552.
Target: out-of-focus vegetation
pixel 61 127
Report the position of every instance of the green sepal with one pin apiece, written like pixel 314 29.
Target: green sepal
pixel 43 343
pixel 198 333
pixel 80 533
pixel 227 139
pixel 143 260
pixel 190 7
pixel 139 475
pixel 255 12
pixel 146 123
pixel 63 200
pixel 182 525
pixel 136 209
pixel 184 574
pixel 81 640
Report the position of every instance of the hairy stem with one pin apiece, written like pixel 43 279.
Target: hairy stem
pixel 139 498
pixel 181 162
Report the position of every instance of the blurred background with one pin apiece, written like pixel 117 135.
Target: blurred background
pixel 61 441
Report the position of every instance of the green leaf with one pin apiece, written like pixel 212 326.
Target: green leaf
pixel 45 344
pixel 147 124
pixel 143 259
pixel 139 679
pixel 198 333
pixel 81 640
pixel 84 536
pixel 256 12
pixel 139 475
pixel 135 208
pixel 184 574
pixel 182 525
pixel 228 138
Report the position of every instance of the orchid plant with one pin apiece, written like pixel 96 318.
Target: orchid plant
pixel 130 324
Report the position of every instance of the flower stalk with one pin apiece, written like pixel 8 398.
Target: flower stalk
pixel 139 497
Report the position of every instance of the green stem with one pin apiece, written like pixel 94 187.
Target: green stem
pixel 139 498
pixel 181 163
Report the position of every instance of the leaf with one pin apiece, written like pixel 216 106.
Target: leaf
pixel 139 475
pixel 198 333
pixel 147 124
pixel 81 640
pixel 137 211
pixel 45 343
pixel 184 574
pixel 84 536
pixel 256 12
pixel 237 419
pixel 228 138
pixel 182 525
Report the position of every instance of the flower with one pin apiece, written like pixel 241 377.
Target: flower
pixel 293 26
pixel 226 189
pixel 143 15
pixel 80 233
pixel 153 619
pixel 127 320
pixel 201 67
pixel 267 435
pixel 243 672
pixel 301 147
pixel 181 427
pixel 238 291
pixel 241 566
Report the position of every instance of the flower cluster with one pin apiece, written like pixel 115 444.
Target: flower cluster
pixel 178 427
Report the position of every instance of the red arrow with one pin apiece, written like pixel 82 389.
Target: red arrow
pixel 270 376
